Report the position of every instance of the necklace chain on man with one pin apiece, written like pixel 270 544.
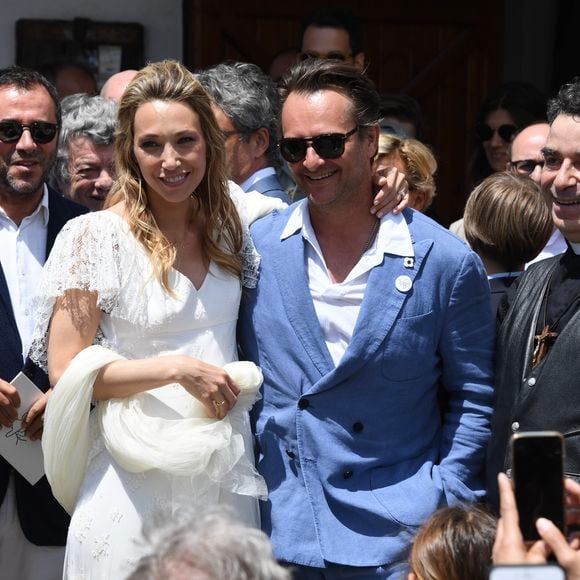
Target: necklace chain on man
pixel 371 238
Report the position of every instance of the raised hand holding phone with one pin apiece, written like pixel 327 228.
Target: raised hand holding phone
pixel 538 474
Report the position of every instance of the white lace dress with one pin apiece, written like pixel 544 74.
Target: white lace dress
pixel 97 252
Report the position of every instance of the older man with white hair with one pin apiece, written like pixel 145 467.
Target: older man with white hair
pixel 84 169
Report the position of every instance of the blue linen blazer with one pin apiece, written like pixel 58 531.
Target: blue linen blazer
pixel 357 456
pixel 271 186
pixel 43 521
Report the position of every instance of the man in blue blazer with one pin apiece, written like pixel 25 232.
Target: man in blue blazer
pixel 246 107
pixel 375 339
pixel 33 526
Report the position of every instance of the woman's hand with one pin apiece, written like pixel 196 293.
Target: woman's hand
pixel 209 384
pixel 393 194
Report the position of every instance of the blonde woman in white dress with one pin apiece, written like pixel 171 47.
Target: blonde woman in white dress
pixel 154 280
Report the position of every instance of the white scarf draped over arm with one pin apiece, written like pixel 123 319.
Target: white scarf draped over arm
pixel 138 442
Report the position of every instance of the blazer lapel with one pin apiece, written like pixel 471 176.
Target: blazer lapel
pixel 55 220
pixel 381 306
pixel 6 305
pixel 289 267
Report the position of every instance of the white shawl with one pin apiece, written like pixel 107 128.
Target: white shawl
pixel 188 447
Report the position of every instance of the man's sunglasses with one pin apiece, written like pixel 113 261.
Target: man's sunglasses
pixel 526 166
pixel 40 131
pixel 328 146
pixel 335 55
pixel 485 132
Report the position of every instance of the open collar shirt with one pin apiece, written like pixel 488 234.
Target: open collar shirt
pixel 22 255
pixel 337 305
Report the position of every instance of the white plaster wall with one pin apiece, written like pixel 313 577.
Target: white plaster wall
pixel 162 21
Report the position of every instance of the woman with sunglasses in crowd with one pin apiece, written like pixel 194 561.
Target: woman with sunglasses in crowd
pixel 504 112
pixel 138 312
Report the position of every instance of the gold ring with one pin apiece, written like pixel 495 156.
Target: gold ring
pixel 220 403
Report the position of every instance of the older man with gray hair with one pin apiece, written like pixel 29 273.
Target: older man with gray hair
pixel 211 545
pixel 84 168
pixel 246 106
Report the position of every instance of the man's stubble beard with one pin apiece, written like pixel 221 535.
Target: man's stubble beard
pixel 24 190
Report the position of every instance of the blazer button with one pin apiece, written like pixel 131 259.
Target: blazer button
pixel 303 404
pixel 358 427
pixel 290 454
pixel 347 474
pixel 515 426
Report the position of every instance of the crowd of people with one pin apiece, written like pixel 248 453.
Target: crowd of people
pixel 241 318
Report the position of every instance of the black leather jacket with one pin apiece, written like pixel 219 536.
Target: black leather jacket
pixel 545 398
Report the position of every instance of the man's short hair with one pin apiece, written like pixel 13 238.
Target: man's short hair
pixel 248 97
pixel 507 220
pixel 566 102
pixel 82 116
pixel 317 75
pixel 26 80
pixel 336 17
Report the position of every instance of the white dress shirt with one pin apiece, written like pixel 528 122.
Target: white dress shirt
pixel 337 305
pixel 22 255
pixel 556 245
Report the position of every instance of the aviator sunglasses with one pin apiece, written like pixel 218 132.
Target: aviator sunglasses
pixel 40 131
pixel 485 132
pixel 327 146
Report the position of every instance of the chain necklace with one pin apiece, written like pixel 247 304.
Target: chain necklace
pixel 371 239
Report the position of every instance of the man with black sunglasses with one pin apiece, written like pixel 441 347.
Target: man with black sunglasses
pixel 357 324
pixel 33 526
pixel 525 158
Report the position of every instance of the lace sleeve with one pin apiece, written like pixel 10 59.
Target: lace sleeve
pixel 251 206
pixel 85 256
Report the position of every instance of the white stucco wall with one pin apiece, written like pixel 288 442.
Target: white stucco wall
pixel 162 20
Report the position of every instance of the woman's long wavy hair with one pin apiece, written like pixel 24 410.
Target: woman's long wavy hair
pixel 169 80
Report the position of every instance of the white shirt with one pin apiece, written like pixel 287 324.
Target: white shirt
pixel 337 305
pixel 22 255
pixel 556 245
pixel 260 174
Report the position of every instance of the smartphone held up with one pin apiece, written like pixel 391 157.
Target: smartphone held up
pixel 538 475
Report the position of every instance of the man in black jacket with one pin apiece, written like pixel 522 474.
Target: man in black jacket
pixel 33 526
pixel 538 364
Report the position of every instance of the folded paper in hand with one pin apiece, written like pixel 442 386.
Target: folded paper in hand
pixel 22 453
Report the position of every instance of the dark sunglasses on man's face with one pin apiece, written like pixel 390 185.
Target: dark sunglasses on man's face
pixel 334 55
pixel 328 146
pixel 40 131
pixel 526 166
pixel 485 132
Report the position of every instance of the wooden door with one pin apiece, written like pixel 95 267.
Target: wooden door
pixel 446 54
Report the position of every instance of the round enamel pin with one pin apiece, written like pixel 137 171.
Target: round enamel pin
pixel 403 283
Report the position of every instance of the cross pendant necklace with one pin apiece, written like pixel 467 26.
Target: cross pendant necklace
pixel 542 344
